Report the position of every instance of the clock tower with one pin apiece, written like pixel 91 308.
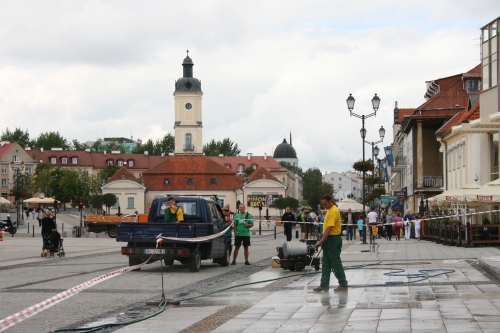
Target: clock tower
pixel 188 112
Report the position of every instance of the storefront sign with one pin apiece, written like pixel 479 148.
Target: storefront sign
pixel 400 194
pixel 253 200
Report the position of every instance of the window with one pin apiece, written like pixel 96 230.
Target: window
pixel 166 181
pixel 340 178
pixel 188 208
pixel 240 168
pixel 130 202
pixel 190 181
pixel 53 160
pixel 109 162
pixel 332 179
pixel 4 170
pixel 28 171
pixel 119 163
pixel 489 50
pixel 254 166
pixel 472 86
pixel 16 158
pixel 117 202
pixel 188 141
pixel 340 185
pixel 74 160
pixel 213 181
pixel 463 153
pixel 131 163
pixel 4 182
pixel 64 160
pixel 228 166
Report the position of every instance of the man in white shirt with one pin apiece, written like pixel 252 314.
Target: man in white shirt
pixel 350 225
pixel 372 220
pixel 312 218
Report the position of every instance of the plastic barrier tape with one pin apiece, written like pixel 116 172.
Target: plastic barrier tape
pixel 198 239
pixel 16 318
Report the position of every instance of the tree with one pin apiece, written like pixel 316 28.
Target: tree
pixel 78 184
pixel 225 147
pixel 76 145
pixel 99 146
pixel 248 171
pixel 50 140
pixel 314 187
pixel 42 179
pixel 19 136
pixel 109 200
pixel 292 168
pixel 22 187
pixel 282 203
pixel 108 172
pixel 96 201
pixel 157 148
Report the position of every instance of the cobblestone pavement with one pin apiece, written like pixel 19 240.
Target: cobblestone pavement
pixel 28 279
pixel 467 300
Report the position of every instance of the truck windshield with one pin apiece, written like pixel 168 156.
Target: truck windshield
pixel 188 208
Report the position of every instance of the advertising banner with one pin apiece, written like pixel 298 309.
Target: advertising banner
pixel 253 200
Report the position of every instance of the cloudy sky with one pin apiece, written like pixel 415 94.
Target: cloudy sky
pixel 91 69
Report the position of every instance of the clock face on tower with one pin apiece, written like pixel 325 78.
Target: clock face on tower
pixel 188 106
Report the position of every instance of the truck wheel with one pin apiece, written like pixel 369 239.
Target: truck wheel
pixel 224 261
pixel 112 232
pixel 194 264
pixel 134 261
pixel 299 266
pixel 169 262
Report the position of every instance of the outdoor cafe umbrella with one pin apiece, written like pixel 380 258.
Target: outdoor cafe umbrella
pixel 487 194
pixel 4 201
pixel 347 203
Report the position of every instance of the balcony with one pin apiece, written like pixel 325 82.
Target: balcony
pixel 400 162
pixel 188 147
pixel 433 181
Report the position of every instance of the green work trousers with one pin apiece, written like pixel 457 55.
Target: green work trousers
pixel 332 246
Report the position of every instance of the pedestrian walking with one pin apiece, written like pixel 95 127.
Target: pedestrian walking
pixel 372 222
pixel 418 223
pixel 389 221
pixel 312 220
pixel 360 226
pixel 303 224
pixel 33 213
pixel 331 243
pixel 48 226
pixel 40 217
pixel 350 220
pixel 243 221
pixel 288 218
pixel 398 224
pixel 407 219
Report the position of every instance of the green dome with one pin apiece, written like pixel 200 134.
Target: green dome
pixel 187 83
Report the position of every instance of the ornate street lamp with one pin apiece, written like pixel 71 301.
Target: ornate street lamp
pixel 350 106
pixel 17 174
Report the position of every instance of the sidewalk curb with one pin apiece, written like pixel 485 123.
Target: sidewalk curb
pixel 495 270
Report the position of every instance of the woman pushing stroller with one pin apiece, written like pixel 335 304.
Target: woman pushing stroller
pixel 48 225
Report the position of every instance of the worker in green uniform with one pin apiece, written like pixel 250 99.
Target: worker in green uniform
pixel 331 243
pixel 173 213
pixel 243 221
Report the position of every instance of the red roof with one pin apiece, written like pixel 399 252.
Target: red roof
pixel 95 160
pixel 465 115
pixel 404 112
pixel 261 173
pixel 232 162
pixel 190 172
pixel 121 174
pixel 5 148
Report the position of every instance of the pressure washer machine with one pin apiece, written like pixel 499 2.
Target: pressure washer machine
pixel 297 255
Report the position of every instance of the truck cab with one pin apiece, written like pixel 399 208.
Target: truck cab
pixel 202 218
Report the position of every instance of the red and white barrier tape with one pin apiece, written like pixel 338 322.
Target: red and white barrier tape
pixel 16 318
pixel 193 240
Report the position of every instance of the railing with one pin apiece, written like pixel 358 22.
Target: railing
pixel 457 234
pixel 433 181
pixel 188 147
pixel 400 160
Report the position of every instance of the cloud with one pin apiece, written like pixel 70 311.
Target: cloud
pixel 95 68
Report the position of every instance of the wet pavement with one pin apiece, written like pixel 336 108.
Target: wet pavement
pixel 466 299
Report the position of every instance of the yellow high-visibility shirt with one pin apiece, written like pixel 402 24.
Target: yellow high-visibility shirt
pixel 332 219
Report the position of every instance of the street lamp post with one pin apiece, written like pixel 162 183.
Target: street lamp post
pixel 17 174
pixel 350 107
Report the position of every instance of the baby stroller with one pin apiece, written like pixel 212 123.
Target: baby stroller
pixel 57 245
